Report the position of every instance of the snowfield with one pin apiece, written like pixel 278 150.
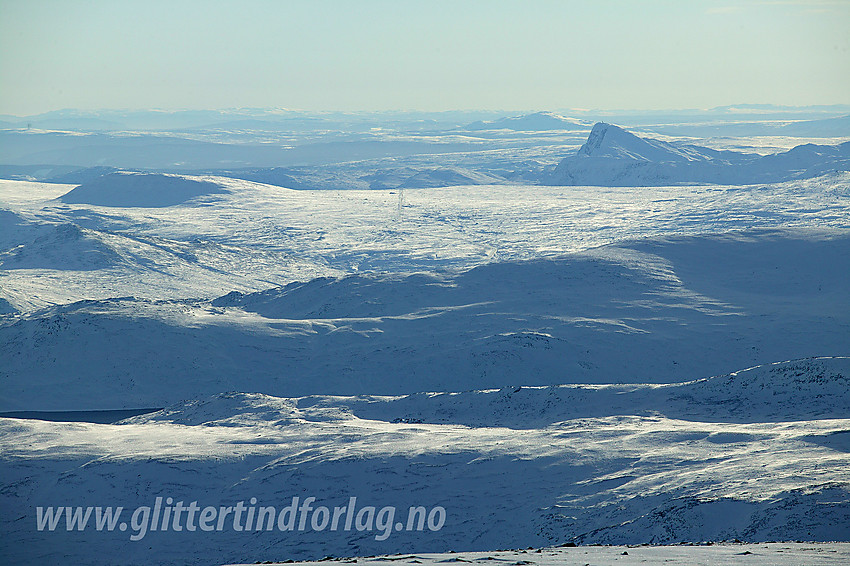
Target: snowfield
pixel 726 458
pixel 252 236
pixel 532 365
pixel 657 310
pixel 772 554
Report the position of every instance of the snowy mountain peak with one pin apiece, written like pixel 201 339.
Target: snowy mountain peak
pixel 608 140
pixel 597 137
pixel 611 156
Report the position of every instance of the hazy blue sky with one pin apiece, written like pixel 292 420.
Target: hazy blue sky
pixel 429 55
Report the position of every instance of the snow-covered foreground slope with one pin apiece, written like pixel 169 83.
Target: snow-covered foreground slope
pixel 730 457
pixel 770 554
pixel 658 310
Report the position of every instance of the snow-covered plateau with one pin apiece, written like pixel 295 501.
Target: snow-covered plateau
pixel 306 355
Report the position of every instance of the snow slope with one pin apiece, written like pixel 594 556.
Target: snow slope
pixel 513 468
pixel 28 244
pixel 657 310
pixel 152 190
pixel 256 236
pixel 448 177
pixel 536 360
pixel 51 252
pixel 770 554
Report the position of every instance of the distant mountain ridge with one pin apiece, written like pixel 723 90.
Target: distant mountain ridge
pixel 539 121
pixel 612 156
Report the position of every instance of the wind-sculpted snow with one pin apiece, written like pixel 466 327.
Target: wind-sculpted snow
pixel 7 308
pixel 62 246
pixel 58 252
pixel 730 457
pixel 778 392
pixel 612 156
pixel 654 311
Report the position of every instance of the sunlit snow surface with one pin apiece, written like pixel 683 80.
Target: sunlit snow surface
pixel 772 554
pixel 257 236
pixel 726 458
pixel 511 288
pixel 476 290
